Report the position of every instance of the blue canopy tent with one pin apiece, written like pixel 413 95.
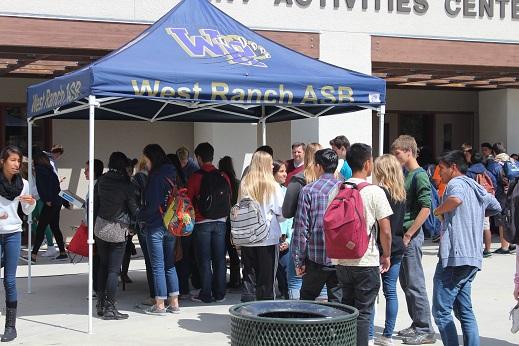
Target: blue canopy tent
pixel 197 64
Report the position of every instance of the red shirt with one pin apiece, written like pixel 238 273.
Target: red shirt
pixel 193 187
pixel 291 170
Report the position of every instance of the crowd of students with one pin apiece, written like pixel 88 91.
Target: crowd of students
pixel 292 261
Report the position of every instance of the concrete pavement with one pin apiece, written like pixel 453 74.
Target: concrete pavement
pixel 56 312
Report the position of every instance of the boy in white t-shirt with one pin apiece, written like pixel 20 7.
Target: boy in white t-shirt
pixel 360 278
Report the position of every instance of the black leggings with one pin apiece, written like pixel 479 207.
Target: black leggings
pixel 110 260
pixel 49 216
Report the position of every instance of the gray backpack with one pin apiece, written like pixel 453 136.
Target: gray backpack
pixel 248 224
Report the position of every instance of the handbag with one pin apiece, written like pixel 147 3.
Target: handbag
pixel 79 243
pixel 111 232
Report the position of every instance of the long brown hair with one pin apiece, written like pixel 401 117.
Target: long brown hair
pixel 388 173
pixel 310 173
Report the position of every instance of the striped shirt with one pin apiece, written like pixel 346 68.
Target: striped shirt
pixel 308 237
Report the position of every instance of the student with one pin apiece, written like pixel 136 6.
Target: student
pixel 478 169
pixel 210 185
pixel 308 244
pixel 160 244
pixel 360 278
pixel 56 152
pixel 486 151
pixel 412 278
pixel 495 166
pixel 114 206
pixel 467 152
pixel 389 176
pixel 262 258
pixel 296 164
pixel 226 165
pixel 189 166
pixel 340 145
pixel 181 180
pixel 48 189
pixel 14 191
pixel 465 205
pixel 284 273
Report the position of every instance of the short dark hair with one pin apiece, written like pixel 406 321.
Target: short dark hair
pixel 455 157
pixel 477 157
pixel 266 149
pixel 357 156
pixel 277 166
pixel 57 149
pixel 327 159
pixel 40 158
pixel 298 144
pixel 119 162
pixel 486 145
pixel 205 151
pixel 340 142
pixel 99 167
pixel 156 155
pixel 499 148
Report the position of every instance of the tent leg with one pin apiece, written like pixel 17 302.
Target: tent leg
pixel 263 122
pixel 381 114
pixel 92 104
pixel 29 217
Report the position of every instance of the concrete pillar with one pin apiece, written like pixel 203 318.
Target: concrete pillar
pixel 498 118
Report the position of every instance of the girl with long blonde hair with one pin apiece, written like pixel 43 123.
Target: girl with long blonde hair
pixel 261 259
pixel 388 174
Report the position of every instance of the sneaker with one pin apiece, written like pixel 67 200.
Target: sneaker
pixel 408 332
pixel 502 251
pixel 26 259
pixel 487 254
pixel 371 342
pixel 184 296
pixel 154 310
pixel 512 248
pixel 514 316
pixel 148 302
pixel 197 299
pixel 384 341
pixel 61 257
pixel 221 300
pixel 51 252
pixel 421 339
pixel 173 309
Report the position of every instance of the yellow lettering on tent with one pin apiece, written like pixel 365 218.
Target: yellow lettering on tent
pixel 219 90
pixel 283 93
pixel 310 95
pixel 167 92
pixel 328 93
pixel 146 88
pixel 184 92
pixel 196 90
pixel 268 93
pixel 253 92
pixel 345 94
pixel 239 95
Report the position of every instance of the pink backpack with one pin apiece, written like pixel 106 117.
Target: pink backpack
pixel 344 224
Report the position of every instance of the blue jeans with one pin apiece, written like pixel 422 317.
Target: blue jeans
pixel 161 249
pixel 210 252
pixel 452 290
pixel 294 282
pixel 389 280
pixel 10 245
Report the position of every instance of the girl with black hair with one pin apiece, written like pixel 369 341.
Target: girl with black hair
pixel 14 190
pixel 48 187
pixel 115 205
pixel 161 245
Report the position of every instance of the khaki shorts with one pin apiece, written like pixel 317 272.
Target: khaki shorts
pixel 486 223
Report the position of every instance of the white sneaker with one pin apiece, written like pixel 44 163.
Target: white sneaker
pixel 51 252
pixel 384 341
pixel 514 316
pixel 371 342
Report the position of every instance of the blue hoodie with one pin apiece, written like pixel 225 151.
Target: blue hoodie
pixel 155 195
pixel 462 238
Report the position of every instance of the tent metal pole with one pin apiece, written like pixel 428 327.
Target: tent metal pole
pixel 263 122
pixel 29 217
pixel 92 104
pixel 381 115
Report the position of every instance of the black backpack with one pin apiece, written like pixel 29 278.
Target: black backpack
pixel 214 199
pixel 511 212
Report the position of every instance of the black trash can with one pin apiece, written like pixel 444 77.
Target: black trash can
pixel 293 322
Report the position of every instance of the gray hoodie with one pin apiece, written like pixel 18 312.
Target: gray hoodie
pixel 462 238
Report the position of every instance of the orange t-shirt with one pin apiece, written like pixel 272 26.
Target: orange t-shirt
pixel 438 181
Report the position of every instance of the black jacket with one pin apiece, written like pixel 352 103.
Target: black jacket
pixel 47 183
pixel 114 195
pixel 294 187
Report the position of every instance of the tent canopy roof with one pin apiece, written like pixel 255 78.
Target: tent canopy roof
pixel 198 64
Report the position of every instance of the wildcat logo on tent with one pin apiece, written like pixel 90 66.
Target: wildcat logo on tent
pixel 211 44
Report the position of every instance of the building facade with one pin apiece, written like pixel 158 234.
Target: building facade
pixel 451 66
